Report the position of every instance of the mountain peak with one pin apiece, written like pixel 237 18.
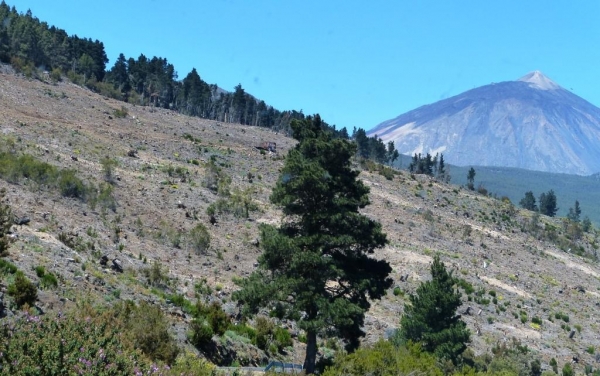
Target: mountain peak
pixel 538 80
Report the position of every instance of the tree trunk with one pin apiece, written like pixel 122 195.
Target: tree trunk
pixel 311 352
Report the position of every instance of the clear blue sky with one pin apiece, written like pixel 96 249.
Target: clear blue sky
pixel 357 63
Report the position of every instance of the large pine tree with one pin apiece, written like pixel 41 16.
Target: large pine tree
pixel 431 318
pixel 316 267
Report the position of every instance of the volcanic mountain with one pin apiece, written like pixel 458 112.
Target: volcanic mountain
pixel 532 123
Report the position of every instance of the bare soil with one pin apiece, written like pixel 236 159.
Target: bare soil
pixel 480 238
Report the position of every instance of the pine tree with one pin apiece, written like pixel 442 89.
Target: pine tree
pixel 528 202
pixel 548 203
pixel 471 179
pixel 431 318
pixel 316 268
pixel 575 214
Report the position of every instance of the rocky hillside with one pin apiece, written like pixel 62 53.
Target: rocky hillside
pixel 535 279
pixel 531 123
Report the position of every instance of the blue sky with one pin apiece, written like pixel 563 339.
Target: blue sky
pixel 357 63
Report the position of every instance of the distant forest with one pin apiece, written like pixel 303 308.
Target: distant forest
pixel 38 50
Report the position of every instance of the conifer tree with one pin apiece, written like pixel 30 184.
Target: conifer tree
pixel 431 319
pixel 471 179
pixel 316 267
pixel 528 202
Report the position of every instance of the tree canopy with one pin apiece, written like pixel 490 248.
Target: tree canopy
pixel 548 203
pixel 316 267
pixel 431 320
pixel 528 202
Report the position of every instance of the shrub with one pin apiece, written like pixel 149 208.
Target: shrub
pixel 244 331
pixel 6 222
pixel 465 285
pixel 22 290
pixel 199 238
pixel 554 365
pixel 56 75
pixel 48 280
pixel 108 169
pixel 201 332
pixel 191 364
pixel 6 267
pixel 283 338
pixel 216 316
pixel 567 370
pixel 147 327
pixel 384 359
pixel 121 112
pixel 155 274
pixel 68 345
pixel 264 330
pixel 536 320
pixel 70 185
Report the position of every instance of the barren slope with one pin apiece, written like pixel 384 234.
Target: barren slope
pixel 479 237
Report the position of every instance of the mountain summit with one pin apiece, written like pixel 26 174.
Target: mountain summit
pixel 539 81
pixel 532 123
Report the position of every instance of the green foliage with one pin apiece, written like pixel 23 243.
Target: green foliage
pixel 216 179
pixel 385 359
pixel 121 112
pixel 22 290
pixel 431 318
pixel 471 179
pixel 67 345
pixel 199 238
pixel 214 314
pixel 318 261
pixel 201 332
pixel 108 169
pixel 190 364
pixel 6 267
pixel 6 222
pixel 528 202
pixel 269 336
pixel 147 327
pixel 18 168
pixel 155 274
pixel 548 203
pixel 70 185
pixel 47 280
pixel 554 364
pixel 567 370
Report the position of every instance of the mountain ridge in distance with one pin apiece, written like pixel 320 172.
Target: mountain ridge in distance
pixel 532 123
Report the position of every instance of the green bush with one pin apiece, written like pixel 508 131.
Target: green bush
pixel 68 345
pixel 383 358
pixel 201 332
pixel 70 185
pixel 199 238
pixel 6 267
pixel 40 271
pixel 147 327
pixel 567 370
pixel 214 314
pixel 264 330
pixel 191 364
pixel 48 280
pixel 121 113
pixel 283 338
pixel 22 290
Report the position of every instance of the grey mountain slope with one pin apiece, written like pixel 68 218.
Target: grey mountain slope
pixel 532 124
